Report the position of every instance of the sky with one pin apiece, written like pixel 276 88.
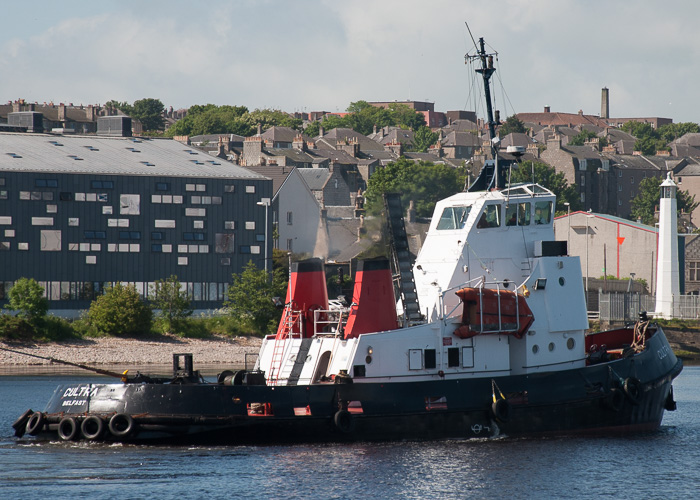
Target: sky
pixel 321 55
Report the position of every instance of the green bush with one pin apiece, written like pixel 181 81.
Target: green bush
pixel 27 298
pixel 120 311
pixel 15 328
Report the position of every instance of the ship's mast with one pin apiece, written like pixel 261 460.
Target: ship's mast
pixel 486 71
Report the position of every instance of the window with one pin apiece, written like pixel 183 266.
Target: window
pixel 45 183
pixel 22 246
pixel 201 187
pixel 543 212
pixel 65 196
pixel 79 196
pixel 524 214
pixel 195 200
pixel 51 209
pixel 162 186
pixel 167 248
pixel 130 204
pixel 156 235
pixel 189 187
pixel 90 197
pixel 91 259
pixel 167 198
pixel 129 235
pixel 117 222
pixel 9 233
pixel 250 224
pixel 206 200
pixel 198 224
pixel 229 224
pixel 216 200
pixel 4 245
pixel 290 244
pixel 156 247
pixel 50 241
pixel 229 188
pixel 164 224
pixel 42 221
pixel 289 218
pixel 107 210
pixel 632 180
pixel 582 164
pixel 224 243
pixel 226 261
pixel 250 189
pixel 245 249
pixel 182 261
pixel 583 181
pixel 693 270
pixel 260 238
pixel 176 199
pixel 491 217
pixel 46 196
pixel 5 220
pixel 193 236
pixel 3 195
pixel 619 188
pixel 583 197
pixel 196 212
pixel 156 198
pixel 73 221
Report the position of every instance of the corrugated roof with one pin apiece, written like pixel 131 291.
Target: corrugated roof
pixel 112 156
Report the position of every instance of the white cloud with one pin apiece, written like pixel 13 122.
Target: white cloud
pixel 323 54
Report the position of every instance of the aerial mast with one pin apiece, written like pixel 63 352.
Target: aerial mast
pixel 486 71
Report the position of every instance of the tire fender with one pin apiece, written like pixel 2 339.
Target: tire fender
pixel 68 429
pixel 35 424
pixel 501 410
pixel 633 389
pixel 344 421
pixel 121 425
pixel 92 428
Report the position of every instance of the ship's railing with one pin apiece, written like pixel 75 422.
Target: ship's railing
pixel 329 321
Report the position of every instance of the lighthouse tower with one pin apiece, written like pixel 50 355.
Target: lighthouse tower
pixel 667 281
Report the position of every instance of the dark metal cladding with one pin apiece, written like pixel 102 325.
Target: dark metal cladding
pixel 307 266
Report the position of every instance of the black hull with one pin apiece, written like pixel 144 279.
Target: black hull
pixel 592 399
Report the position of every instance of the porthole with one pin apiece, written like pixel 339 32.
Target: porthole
pixel 368 359
pixel 551 346
pixel 570 343
pixel 562 281
pixel 535 349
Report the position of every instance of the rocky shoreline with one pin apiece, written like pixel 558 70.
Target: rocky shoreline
pixel 106 352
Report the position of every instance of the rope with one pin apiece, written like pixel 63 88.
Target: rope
pixel 494 388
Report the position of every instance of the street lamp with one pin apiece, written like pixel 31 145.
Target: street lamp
pixel 265 202
pixel 568 235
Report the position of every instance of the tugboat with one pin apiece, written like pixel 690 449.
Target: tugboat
pixel 486 337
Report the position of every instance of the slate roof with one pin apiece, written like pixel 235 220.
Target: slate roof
pixel 366 144
pixel 567 119
pixel 637 162
pixel 112 156
pixel 692 167
pixel 336 156
pixel 281 134
pixel 315 178
pixel 278 174
pixel 460 126
pixel 457 138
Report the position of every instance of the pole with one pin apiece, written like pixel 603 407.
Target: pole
pixel 568 235
pixel 265 202
pixel 586 261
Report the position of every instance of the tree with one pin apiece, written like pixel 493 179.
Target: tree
pixel 120 311
pixel 149 112
pixel 250 297
pixel 546 176
pixel 513 124
pixel 645 203
pixel 425 183
pixel 172 302
pixel 586 135
pixel 673 131
pixel 27 298
pixel 423 139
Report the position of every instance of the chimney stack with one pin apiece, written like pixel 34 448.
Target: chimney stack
pixel 546 109
pixel 605 104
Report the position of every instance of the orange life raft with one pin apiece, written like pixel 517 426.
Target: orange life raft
pixel 488 311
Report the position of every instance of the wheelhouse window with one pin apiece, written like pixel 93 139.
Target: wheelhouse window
pixel 490 217
pixel 518 214
pixel 453 218
pixel 543 212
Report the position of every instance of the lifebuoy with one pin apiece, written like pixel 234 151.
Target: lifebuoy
pixel 121 425
pixel 501 410
pixel 633 389
pixel 92 428
pixel 35 424
pixel 68 429
pixel 344 421
pixel 614 400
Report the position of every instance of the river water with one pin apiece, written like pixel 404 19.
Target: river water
pixel 664 464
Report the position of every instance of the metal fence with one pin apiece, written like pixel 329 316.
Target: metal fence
pixel 621 306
